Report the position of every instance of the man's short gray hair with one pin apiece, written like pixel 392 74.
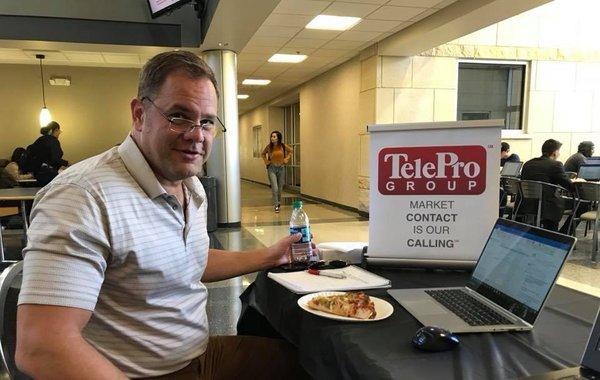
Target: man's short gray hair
pixel 155 71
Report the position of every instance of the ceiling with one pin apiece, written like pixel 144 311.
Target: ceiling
pixel 256 30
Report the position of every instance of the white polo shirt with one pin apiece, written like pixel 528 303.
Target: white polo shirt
pixel 106 237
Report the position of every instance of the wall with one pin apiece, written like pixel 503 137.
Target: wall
pixel 329 129
pixel 93 112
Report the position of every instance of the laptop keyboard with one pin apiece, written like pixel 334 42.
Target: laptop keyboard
pixel 468 308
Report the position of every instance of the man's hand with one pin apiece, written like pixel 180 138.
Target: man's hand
pixel 281 252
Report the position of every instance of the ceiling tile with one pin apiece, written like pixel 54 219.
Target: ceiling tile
pixel 287 20
pixel 260 49
pixel 319 34
pixel 375 26
pixel 13 54
pixel 305 42
pixel 271 70
pixel 245 56
pixel 80 56
pixel 296 50
pixel 268 41
pixel 350 9
pixel 249 67
pixel 121 58
pixel 301 7
pixel 422 15
pixel 277 31
pixel 358 36
pixel 414 3
pixel 343 45
pixel 328 53
pixel 380 2
pixel 444 3
pixel 395 13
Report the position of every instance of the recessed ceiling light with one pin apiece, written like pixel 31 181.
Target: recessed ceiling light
pixel 243 96
pixel 256 82
pixel 326 22
pixel 287 58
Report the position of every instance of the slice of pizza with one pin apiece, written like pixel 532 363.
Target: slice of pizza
pixel 351 304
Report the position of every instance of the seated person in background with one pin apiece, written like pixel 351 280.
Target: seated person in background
pixel 548 169
pixel 45 154
pixel 505 156
pixel 584 151
pixel 113 287
pixel 13 167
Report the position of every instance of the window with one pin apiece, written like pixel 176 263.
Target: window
pixel 491 91
pixel 257 146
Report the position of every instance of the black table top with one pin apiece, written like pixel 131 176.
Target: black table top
pixel 330 349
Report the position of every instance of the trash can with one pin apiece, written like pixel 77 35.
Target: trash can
pixel 210 187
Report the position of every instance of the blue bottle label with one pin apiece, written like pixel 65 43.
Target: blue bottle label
pixel 305 231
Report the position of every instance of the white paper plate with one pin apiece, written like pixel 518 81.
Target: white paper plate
pixel 383 308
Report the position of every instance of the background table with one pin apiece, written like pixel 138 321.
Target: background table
pixel 330 349
pixel 21 195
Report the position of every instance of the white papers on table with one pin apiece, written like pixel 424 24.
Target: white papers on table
pixel 356 279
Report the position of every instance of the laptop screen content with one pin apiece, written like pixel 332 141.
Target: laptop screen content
pixel 518 267
pixel 589 172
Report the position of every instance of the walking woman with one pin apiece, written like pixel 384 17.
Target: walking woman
pixel 276 155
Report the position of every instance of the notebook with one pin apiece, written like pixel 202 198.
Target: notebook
pixel 589 172
pixel 507 290
pixel 356 279
pixel 511 169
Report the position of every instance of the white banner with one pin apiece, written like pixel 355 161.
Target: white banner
pixel 434 189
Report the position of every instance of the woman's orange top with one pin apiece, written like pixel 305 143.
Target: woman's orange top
pixel 276 157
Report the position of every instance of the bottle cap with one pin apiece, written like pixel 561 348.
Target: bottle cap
pixel 297 203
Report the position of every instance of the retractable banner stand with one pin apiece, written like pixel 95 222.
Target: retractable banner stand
pixel 434 191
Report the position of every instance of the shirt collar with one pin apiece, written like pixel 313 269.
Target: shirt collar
pixel 142 173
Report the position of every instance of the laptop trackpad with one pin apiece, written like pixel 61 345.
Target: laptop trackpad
pixel 426 307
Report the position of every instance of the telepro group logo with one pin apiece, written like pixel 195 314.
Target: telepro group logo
pixel 456 170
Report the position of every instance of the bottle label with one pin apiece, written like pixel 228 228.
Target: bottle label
pixel 304 230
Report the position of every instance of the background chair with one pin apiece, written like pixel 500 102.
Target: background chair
pixel 10 285
pixel 531 191
pixel 590 192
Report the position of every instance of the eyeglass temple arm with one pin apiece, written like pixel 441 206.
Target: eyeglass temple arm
pixel 223 125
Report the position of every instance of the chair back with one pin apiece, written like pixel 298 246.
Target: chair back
pixel 588 191
pixel 10 286
pixel 532 189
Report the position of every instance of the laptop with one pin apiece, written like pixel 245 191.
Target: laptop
pixel 589 172
pixel 507 289
pixel 511 169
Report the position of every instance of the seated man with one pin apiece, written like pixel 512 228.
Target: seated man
pixel 505 156
pixel 585 150
pixel 547 169
pixel 118 252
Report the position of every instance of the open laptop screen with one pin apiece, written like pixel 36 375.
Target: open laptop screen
pixel 589 172
pixel 518 267
pixel 511 169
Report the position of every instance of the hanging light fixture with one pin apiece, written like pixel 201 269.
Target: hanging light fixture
pixel 45 116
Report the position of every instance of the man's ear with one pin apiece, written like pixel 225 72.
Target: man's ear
pixel 137 114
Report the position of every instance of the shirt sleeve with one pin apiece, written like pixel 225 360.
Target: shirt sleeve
pixel 67 251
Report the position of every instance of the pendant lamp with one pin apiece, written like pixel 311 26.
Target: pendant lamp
pixel 45 116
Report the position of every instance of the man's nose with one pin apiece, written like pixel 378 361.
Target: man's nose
pixel 196 134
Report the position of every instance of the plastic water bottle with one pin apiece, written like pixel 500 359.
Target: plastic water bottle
pixel 302 250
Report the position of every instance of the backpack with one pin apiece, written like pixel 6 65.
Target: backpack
pixel 29 162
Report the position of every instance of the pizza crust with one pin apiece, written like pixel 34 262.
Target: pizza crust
pixel 352 304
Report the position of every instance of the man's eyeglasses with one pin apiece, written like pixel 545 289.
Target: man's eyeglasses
pixel 183 125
